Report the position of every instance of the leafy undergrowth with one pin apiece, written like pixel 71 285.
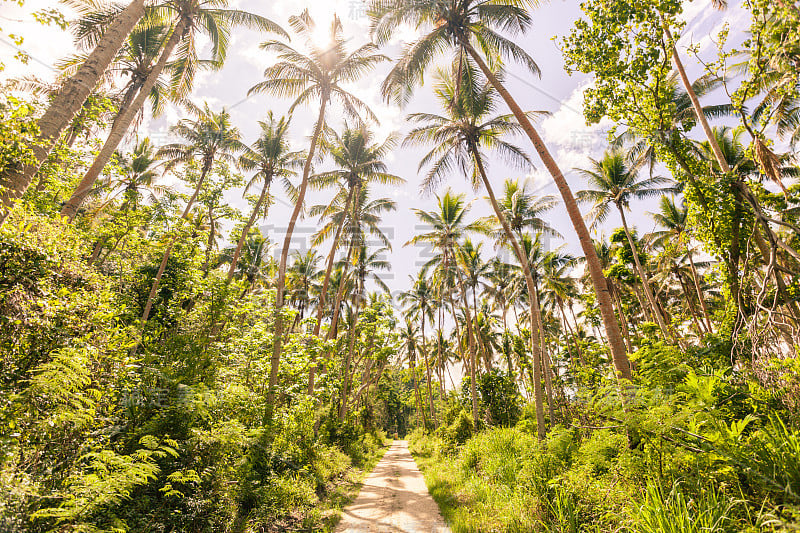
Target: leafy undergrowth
pixel 503 480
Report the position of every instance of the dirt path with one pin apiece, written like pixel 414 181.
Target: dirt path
pixel 394 499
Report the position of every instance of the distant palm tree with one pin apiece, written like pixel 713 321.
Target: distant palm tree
pixel 673 218
pixel 210 137
pixel 419 304
pixel 316 75
pixel 270 157
pixel 303 276
pixel 615 183
pixel 470 26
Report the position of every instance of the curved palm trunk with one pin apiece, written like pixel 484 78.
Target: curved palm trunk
pixel 616 344
pixel 329 266
pixel 648 291
pixel 526 270
pixel 246 229
pixel 623 321
pixel 121 125
pixel 69 100
pixel 287 241
pixel 349 358
pixel 149 305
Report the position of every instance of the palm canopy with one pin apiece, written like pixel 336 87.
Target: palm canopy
pixel 468 128
pixel 447 224
pixel 524 210
pixel 138 179
pixel 615 183
pixel 485 25
pixel 319 73
pixel 209 137
pixel 419 298
pixel 359 219
pixel 270 156
pixel 673 218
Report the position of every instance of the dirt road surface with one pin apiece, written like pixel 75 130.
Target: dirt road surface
pixel 394 499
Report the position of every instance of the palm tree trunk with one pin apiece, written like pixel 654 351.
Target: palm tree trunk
pixel 526 270
pixel 618 354
pixel 415 384
pixel 548 382
pixel 692 308
pixel 325 282
pixel 648 292
pixel 700 297
pixel 121 125
pixel 622 318
pixel 149 305
pixel 329 266
pixel 246 229
pixel 424 350
pixel 487 363
pixel 349 357
pixel 287 241
pixel 473 389
pixel 69 100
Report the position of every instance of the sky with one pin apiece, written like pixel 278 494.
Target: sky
pixel 571 141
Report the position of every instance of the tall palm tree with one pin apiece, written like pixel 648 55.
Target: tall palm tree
pixel 210 137
pixel 469 26
pixel 419 302
pixel 673 218
pixel 302 276
pixel 615 183
pixel 448 226
pixel 409 340
pixel 270 158
pixel 460 139
pixel 188 20
pixel 69 99
pixel 315 75
pixel 367 266
pixel 360 162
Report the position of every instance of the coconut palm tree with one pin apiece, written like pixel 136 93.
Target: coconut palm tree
pixel 409 339
pixel 187 19
pixel 315 75
pixel 210 137
pixel 419 304
pixel 360 162
pixel 367 266
pixel 270 157
pixel 469 26
pixel 615 183
pixel 303 276
pixel 69 99
pixel 673 219
pixel 461 139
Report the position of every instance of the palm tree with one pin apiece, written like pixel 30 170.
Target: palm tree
pixel 210 137
pixel 302 276
pixel 673 219
pixel 256 265
pixel 616 184
pixel 360 162
pixel 69 99
pixel 475 23
pixel 459 139
pixel 409 343
pixel 419 302
pixel 316 75
pixel 447 228
pixel 188 19
pixel 367 266
pixel 269 157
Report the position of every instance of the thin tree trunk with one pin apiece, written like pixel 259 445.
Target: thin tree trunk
pixel 526 270
pixel 325 282
pixel 246 229
pixel 622 318
pixel 696 280
pixel 648 292
pixel 287 241
pixel 349 357
pixel 472 361
pixel 415 384
pixel 548 382
pixel 424 350
pixel 616 344
pixel 69 100
pixel 121 125
pixel 150 298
